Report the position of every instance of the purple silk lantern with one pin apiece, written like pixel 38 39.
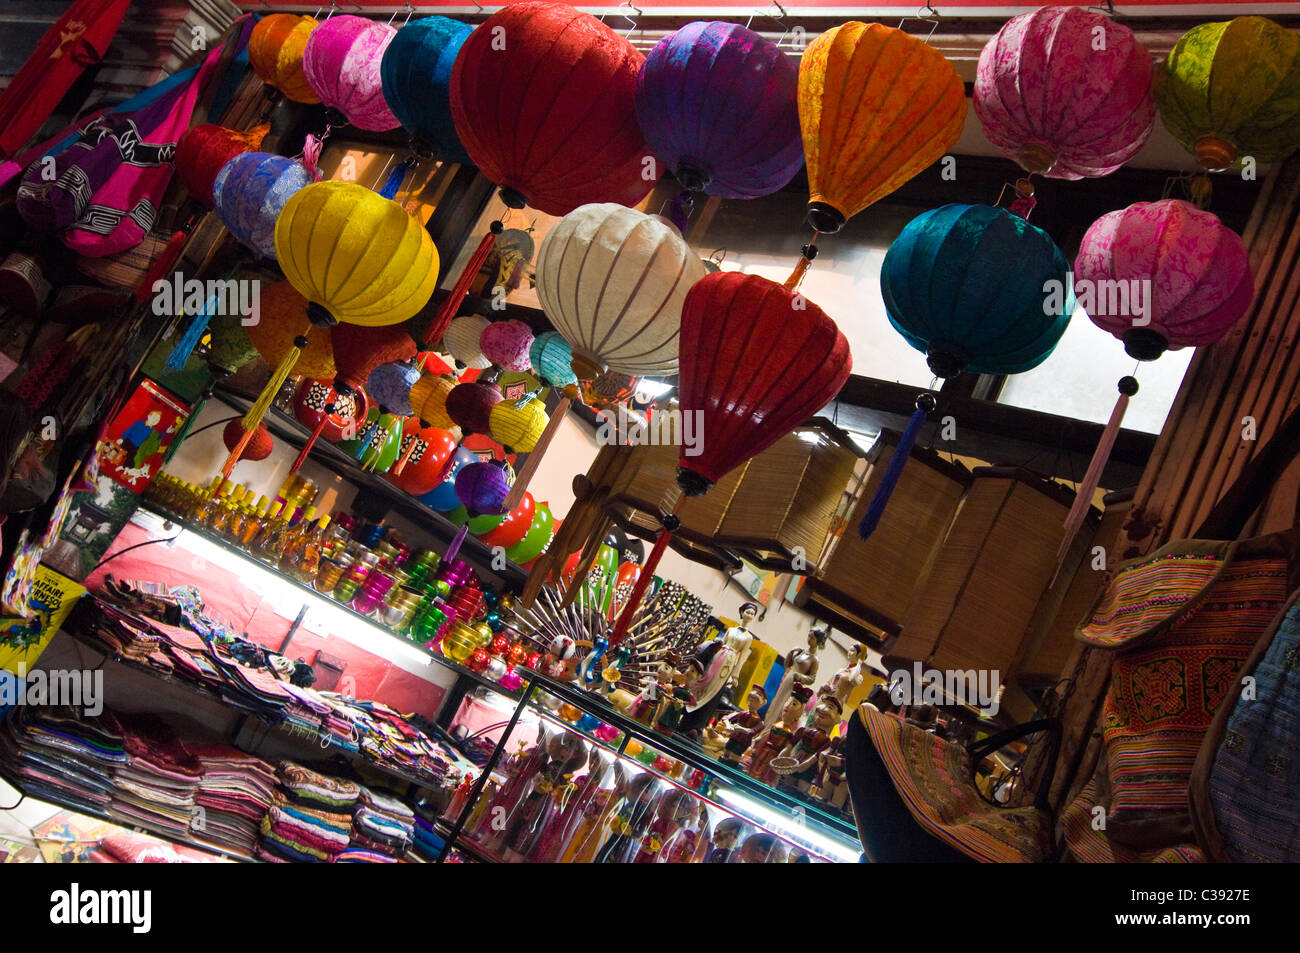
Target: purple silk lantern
pixel 341 63
pixel 1065 92
pixel 483 487
pixel 249 193
pixel 470 406
pixel 506 344
pixel 716 103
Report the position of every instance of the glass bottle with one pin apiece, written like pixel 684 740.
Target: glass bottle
pixel 212 509
pixel 266 546
pixel 254 522
pixel 307 555
pixel 224 520
pixel 292 541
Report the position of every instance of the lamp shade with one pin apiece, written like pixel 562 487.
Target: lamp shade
pixel 258 448
pixel 612 280
pixel 1196 269
pixel 354 255
pixel 461 340
pixel 203 150
pixel 432 448
pixel 1230 90
pixel 311 404
pixel 341 63
pixel 757 359
pixel 359 350
pixel 506 344
pixel 515 526
pixel 283 315
pixel 443 496
pixel 275 51
pixel 876 106
pixel 482 488
pixel 429 400
pixel 551 357
pixel 416 77
pixel 716 103
pixel 1065 92
pixel 249 193
pixel 543 99
pixel 968 286
pixel 470 406
pixel 518 424
pixel 539 534
pixel 389 385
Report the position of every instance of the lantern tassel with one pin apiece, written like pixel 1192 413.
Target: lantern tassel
pixel 395 179
pixel 1091 478
pixel 925 404
pixel 447 310
pixel 535 455
pixel 311 150
pixel 263 403
pixel 454 549
pixel 299 460
pixel 370 433
pixel 643 581
pixel 186 426
pixel 236 452
pixel 400 465
pixel 190 339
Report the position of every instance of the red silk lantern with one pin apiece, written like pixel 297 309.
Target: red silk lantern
pixel 515 526
pixel 202 150
pixel 425 452
pixel 258 447
pixel 756 360
pixel 359 350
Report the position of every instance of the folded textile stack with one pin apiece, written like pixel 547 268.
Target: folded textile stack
pixel 62 755
pixel 158 784
pixel 382 825
pixel 312 821
pixel 235 794
pixel 428 842
pixel 129 847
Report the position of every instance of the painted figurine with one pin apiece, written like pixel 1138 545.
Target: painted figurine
pixel 771 741
pixel 725 837
pixel 809 741
pixel 677 697
pixel 800 669
pixel 843 683
pixel 566 752
pixel 739 728
pixel 829 783
pixel 721 661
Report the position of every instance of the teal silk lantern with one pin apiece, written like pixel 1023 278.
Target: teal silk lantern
pixel 550 355
pixel 416 78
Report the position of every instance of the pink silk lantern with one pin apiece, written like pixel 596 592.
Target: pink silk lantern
pixel 506 344
pixel 341 63
pixel 1065 92
pixel 1160 276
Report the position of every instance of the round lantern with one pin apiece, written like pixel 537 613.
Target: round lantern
pixel 543 99
pixel 535 540
pixel 550 357
pixel 518 424
pixel 876 106
pixel 310 407
pixel 1196 269
pixel 1231 90
pixel 608 389
pixel 203 150
pixel 475 524
pixel 341 63
pixel 515 526
pixel 416 76
pixel 426 452
pixel 612 280
pixel 377 441
pixel 506 344
pixel 356 256
pixel 390 386
pixel 443 496
pixel 283 315
pixel 249 193
pixel 359 350
pixel 716 103
pixel 275 51
pixel 462 341
pixel 470 406
pixel 429 399
pixel 1065 92
pixel 483 487
pixel 258 448
pixel 970 287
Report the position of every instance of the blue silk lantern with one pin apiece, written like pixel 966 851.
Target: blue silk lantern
pixel 483 487
pixel 250 192
pixel 389 385
pixel 550 355
pixel 416 77
pixel 976 289
pixel 717 104
pixel 443 496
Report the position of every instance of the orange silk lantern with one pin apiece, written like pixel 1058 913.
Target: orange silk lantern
pixel 275 49
pixel 283 315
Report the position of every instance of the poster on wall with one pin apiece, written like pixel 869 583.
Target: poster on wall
pixel 22 640
pixel 136 442
pixel 93 522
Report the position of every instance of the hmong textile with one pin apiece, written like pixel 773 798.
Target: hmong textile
pixel 317 790
pixel 1249 811
pixel 1147 593
pixel 934 779
pixel 1090 844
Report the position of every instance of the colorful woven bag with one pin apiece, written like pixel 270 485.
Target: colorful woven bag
pixel 1245 787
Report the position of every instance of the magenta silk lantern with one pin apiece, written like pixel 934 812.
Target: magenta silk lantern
pixel 341 64
pixel 1196 268
pixel 506 344
pixel 1066 92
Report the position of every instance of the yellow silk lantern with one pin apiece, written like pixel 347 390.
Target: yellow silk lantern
pixel 1231 90
pixel 354 255
pixel 275 49
pixel 429 400
pixel 876 106
pixel 518 424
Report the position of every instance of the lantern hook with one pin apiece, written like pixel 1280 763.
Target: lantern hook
pixel 1107 7
pixel 630 19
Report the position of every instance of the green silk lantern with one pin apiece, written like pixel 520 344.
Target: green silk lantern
pixel 535 540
